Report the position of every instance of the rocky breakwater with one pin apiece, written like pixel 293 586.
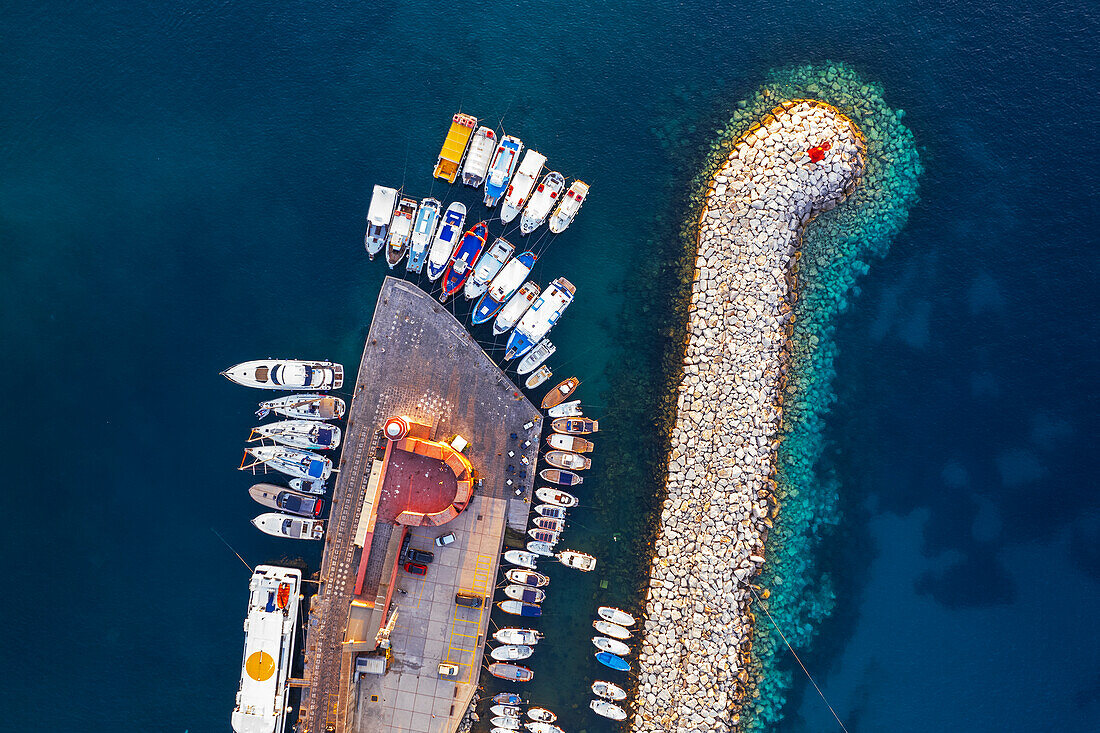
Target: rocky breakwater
pixel 802 159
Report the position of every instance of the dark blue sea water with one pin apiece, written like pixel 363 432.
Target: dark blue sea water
pixel 183 187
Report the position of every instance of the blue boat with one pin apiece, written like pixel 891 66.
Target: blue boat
pixel 608 659
pixel 500 170
pixel 446 240
pixel 423 231
pixel 519 608
pixel 507 698
pixel 503 287
pixel 464 259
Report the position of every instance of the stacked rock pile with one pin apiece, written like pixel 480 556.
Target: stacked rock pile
pixel 802 159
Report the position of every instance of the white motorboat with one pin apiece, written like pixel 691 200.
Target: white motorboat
pixel 543 728
pixel 477 158
pixel 291 461
pixel 536 357
pixel 543 549
pixel 427 217
pixel 528 578
pixel 609 629
pixel 503 721
pixel 529 637
pixel 287 525
pixel 550 524
pixel 508 711
pixel 557 497
pixel 615 616
pixel 519 608
pixel 543 314
pixel 503 287
pixel 579 560
pixel 397 241
pixel 607 709
pixel 309 487
pixel 286 374
pixel 521 184
pixel 542 200
pixel 521 558
pixel 308 434
pixel 304 407
pixel 446 239
pixel 379 215
pixel 504 163
pixel 539 376
pixel 287 500
pixel 516 306
pixel 573 443
pixel 605 644
pixel 510 653
pixel 541 715
pixel 608 690
pixel 487 267
pixel 572 408
pixel 568 207
pixel 525 593
pixel 552 511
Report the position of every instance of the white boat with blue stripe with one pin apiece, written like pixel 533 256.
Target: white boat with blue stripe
pixel 501 169
pixel 503 286
pixel 540 318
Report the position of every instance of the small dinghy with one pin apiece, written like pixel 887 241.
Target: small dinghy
pixel 560 477
pixel 529 637
pixel 507 698
pixel 525 594
pixel 500 170
pixel 609 629
pixel 507 711
pixel 579 560
pixel 541 727
pixel 608 690
pixel 521 184
pixel 541 715
pixel 378 218
pixel 487 268
pixel 541 375
pixel 307 434
pixel 615 615
pixel 611 661
pixel 541 548
pixel 541 201
pixel 464 260
pixel 607 709
pixel 568 460
pixel 285 525
pixel 613 646
pixel 551 524
pixel 505 722
pixel 513 672
pixel 521 558
pixel 306 486
pixel 286 374
pixel 423 230
pixel 291 461
pixel 287 500
pixel 558 394
pixel 568 207
pixel 527 577
pixel 541 535
pixel 510 653
pixel 516 306
pixel 519 608
pixel 446 239
pixel 542 351
pixel 575 425
pixel 552 511
pixel 397 241
pixel 572 408
pixel 304 407
pixel 569 442
pixel 556 497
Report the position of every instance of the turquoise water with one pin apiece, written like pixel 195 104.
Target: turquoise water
pixel 183 188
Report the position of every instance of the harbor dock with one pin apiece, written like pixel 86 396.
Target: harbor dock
pixel 386 649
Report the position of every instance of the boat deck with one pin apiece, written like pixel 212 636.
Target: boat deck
pixel 418 362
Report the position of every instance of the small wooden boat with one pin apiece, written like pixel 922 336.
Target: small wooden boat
pixel 578 560
pixel 510 653
pixel 608 690
pixel 507 711
pixel 572 408
pixel 541 375
pixel 289 526
pixel 568 460
pixel 560 477
pixel 521 558
pixel 530 637
pixel 575 425
pixel 551 524
pixel 304 407
pixel 556 497
pixel 507 698
pixel 513 672
pixel 519 608
pixel 525 594
pixel 286 374
pixel 615 615
pixel 569 442
pixel 552 511
pixel 614 646
pixel 305 434
pixel 609 629
pixel 542 535
pixel 505 722
pixel 607 709
pixel 560 392
pixel 527 577
pixel 541 715
pixel 611 661
pixel 541 548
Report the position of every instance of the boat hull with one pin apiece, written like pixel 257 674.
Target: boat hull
pixel 611 661
pixel 511 652
pixel 529 578
pixel 279 499
pixel 541 548
pixel 539 376
pixel 613 630
pixel 568 207
pixel 551 510
pixel 477 159
pixel 540 353
pixel 488 267
pixel 542 316
pixel 305 434
pixel 608 690
pixel 423 232
pixel 615 616
pixel 572 443
pixel 612 646
pixel 503 286
pixel 578 560
pixel 542 200
pixel 607 709
pixel 289 526
pixel 528 637
pixel 525 594
pixel 559 393
pixel 521 558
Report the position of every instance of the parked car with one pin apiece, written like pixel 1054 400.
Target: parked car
pixel 445 539
pixel 469 600
pixel 415 555
pixel 416 568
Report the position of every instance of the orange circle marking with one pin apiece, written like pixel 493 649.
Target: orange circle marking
pixel 260 666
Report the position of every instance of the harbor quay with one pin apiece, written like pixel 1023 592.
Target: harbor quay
pixel 439 442
pixel 802 159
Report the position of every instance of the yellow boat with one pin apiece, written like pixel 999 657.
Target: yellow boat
pixel 454 147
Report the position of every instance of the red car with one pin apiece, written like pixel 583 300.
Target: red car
pixel 416 568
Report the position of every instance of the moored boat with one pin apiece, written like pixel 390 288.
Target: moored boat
pixel 612 661
pixel 545 536
pixel 287 500
pixel 550 524
pixel 608 690
pixel 511 652
pixel 561 477
pixel 503 287
pixel 291 461
pixel 525 594
pixel 527 577
pixel 446 239
pixel 519 608
pixel 304 407
pixel 379 216
pixel 552 511
pixel 307 434
pixel 539 376
pixel 477 158
pixel 607 709
pixel 574 425
pixel 541 548
pixel 556 497
pixel 541 727
pixel 488 265
pixel 519 188
pixel 609 629
pixel 454 146
pixel 541 201
pixel 514 672
pixel 573 443
pixel 541 715
pixel 579 560
pixel 505 722
pixel 614 646
pixel 559 393
pixel 507 698
pixel 568 207
pixel 508 711
pixel 516 306
pixel 567 460
pixel 464 260
pixel 529 637
pixel 615 616
pixel 500 171
pixel 307 486
pixel 286 374
pixel 572 408
pixel 540 318
pixel 427 216
pixel 286 525
pixel 536 356
pixel 521 558
pixel 397 241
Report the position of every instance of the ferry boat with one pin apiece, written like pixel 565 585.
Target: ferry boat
pixel 477 159
pixel 526 577
pixel 608 690
pixel 423 230
pixel 609 629
pixel 519 608
pixel 500 170
pixel 541 715
pixel 269 632
pixel 536 356
pixel 304 407
pixel 557 497
pixel 379 216
pixel 541 375
pixel 613 646
pixel 516 306
pixel 529 637
pixel 521 558
pixel 513 672
pixel 511 652
pixel 521 184
pixel 575 425
pixel 568 207
pixel 487 268
pixel 454 146
pixel 287 500
pixel 569 442
pixel 286 374
pixel 503 286
pixel 612 661
pixel 289 526
pixel 550 524
pixel 551 511
pixel 397 241
pixel 525 594
pixel 578 560
pixel 540 318
pixel 446 239
pixel 568 460
pixel 464 260
pixel 615 616
pixel 307 434
pixel 607 709
pixel 291 461
pixel 546 193
pixel 561 477
pixel 555 396
pixel 572 408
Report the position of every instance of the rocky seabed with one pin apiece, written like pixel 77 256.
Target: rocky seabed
pixel 693 663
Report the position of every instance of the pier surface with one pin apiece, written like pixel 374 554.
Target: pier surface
pixel 710 545
pixel 420 363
